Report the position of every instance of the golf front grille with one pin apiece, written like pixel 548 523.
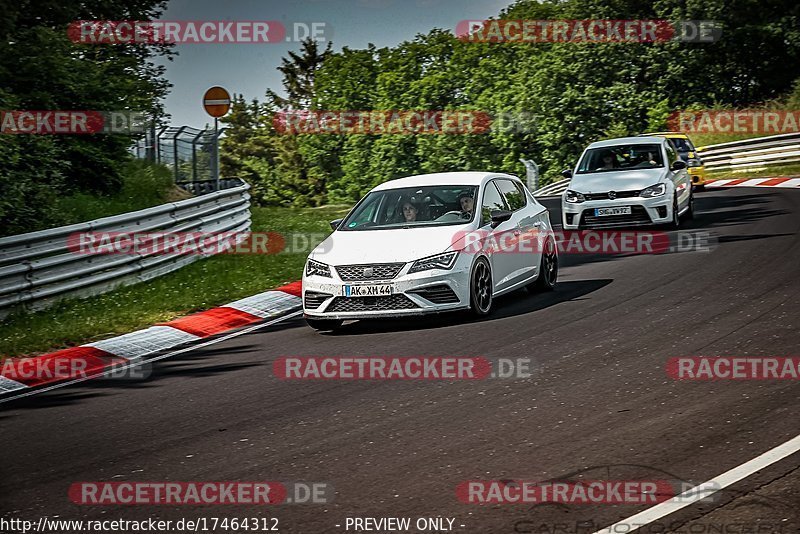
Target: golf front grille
pixel 606 196
pixel 368 272
pixel 359 304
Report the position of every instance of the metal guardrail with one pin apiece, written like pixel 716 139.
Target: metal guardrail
pixel 554 189
pixel 750 154
pixel 38 268
pixel 202 187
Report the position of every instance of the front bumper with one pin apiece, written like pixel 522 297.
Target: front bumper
pixel 698 175
pixel 645 211
pixel 323 297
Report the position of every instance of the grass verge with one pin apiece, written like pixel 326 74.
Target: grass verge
pixel 201 285
pixel 144 185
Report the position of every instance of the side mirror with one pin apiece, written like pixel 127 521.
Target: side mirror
pixel 678 165
pixel 500 216
pixel 566 173
pixel 335 224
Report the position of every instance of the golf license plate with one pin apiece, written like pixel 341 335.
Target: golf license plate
pixel 376 290
pixel 605 212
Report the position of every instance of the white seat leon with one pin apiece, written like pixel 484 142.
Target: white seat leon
pixel 428 244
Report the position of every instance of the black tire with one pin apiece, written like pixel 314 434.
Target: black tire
pixel 548 269
pixel 480 288
pixel 324 324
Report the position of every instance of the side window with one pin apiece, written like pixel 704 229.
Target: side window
pixel 492 201
pixel 512 192
pixel 671 155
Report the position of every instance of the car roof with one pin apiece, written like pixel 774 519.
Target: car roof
pixel 666 134
pixel 441 178
pixel 641 140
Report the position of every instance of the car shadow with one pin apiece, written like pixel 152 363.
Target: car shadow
pixel 717 209
pixel 190 364
pixel 519 302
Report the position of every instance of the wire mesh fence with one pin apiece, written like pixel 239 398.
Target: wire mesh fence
pixel 188 151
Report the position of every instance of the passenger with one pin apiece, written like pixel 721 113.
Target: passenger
pixel 646 159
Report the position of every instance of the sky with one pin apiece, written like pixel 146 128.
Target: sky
pixel 250 69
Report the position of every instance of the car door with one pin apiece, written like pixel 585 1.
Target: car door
pixel 680 178
pixel 525 257
pixel 500 257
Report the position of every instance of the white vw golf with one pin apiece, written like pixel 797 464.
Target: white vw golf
pixel 428 244
pixel 629 181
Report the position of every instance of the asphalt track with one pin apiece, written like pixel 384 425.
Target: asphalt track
pixel 598 403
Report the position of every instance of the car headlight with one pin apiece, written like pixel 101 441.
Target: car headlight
pixel 574 197
pixel 317 268
pixel 654 191
pixel 439 261
pixel 695 163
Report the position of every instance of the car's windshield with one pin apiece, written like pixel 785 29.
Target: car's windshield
pixel 683 145
pixel 621 158
pixel 408 207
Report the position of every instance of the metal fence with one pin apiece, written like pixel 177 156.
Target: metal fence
pixel 752 154
pixel 39 268
pixel 554 189
pixel 188 151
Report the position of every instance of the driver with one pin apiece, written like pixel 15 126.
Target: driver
pixel 467 204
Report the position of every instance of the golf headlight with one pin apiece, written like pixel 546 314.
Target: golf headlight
pixel 317 268
pixel 439 261
pixel 574 197
pixel 654 191
pixel 695 163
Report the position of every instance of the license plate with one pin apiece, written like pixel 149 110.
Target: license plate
pixel 604 212
pixel 377 290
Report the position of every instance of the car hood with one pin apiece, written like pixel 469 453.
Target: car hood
pixel 616 181
pixel 387 246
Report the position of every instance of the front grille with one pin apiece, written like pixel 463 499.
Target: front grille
pixel 441 294
pixel 604 196
pixel 358 304
pixel 375 271
pixel 637 217
pixel 314 300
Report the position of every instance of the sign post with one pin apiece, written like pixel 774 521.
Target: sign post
pixel 532 173
pixel 217 102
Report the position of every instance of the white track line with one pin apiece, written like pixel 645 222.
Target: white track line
pixel 139 362
pixel 704 490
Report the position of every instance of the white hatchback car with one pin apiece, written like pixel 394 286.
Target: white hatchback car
pixel 418 245
pixel 628 181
